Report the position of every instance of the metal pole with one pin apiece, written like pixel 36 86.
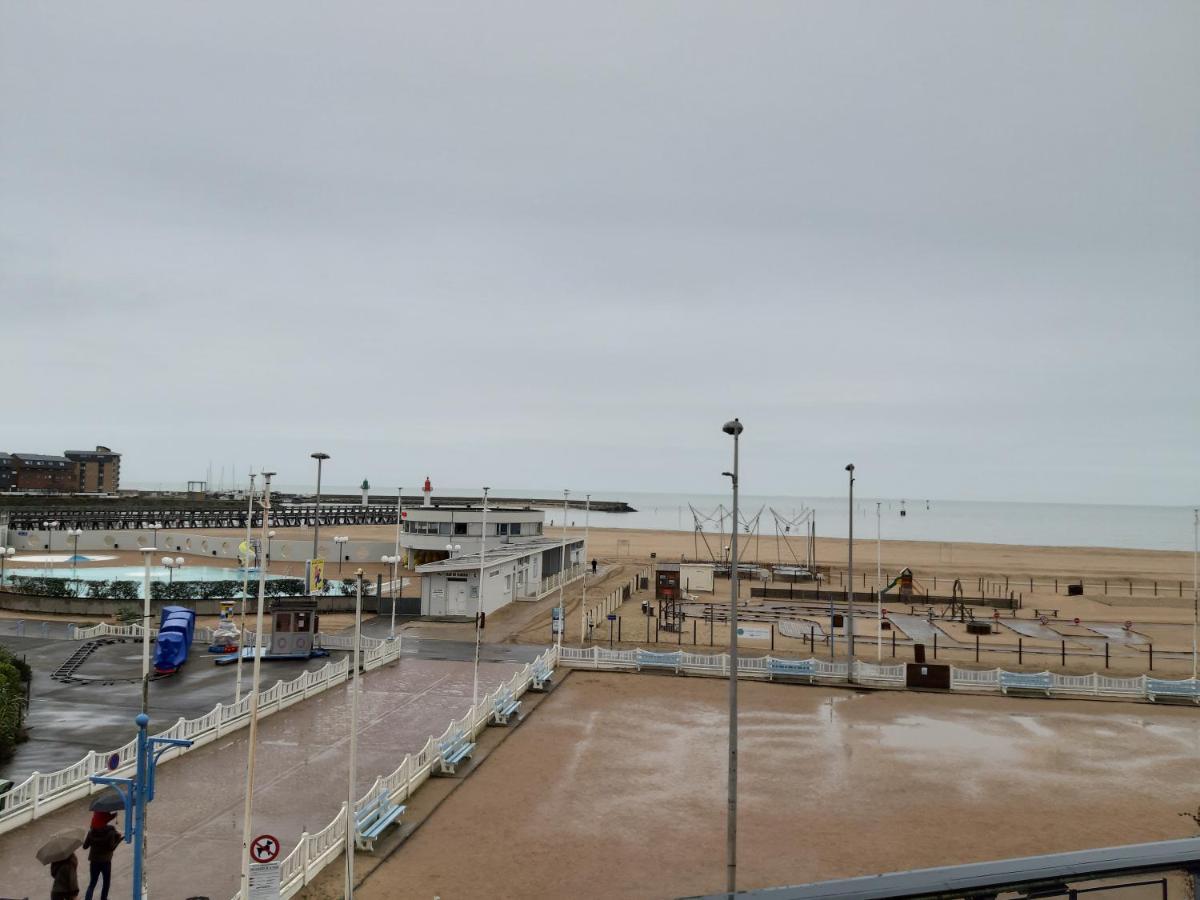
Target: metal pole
pixel 320 458
pixel 562 578
pixel 587 509
pixel 396 558
pixel 850 585
pixel 734 428
pixel 248 807
pixel 1195 587
pixel 147 553
pixel 878 586
pixel 479 611
pixel 353 742
pixel 237 694
pixel 139 810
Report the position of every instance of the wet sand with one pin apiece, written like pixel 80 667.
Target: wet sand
pixel 615 786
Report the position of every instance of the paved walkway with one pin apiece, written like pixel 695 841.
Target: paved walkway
pixel 196 821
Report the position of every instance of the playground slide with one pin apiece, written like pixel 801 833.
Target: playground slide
pixel 174 639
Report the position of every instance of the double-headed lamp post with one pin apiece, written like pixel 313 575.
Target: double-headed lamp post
pixel 171 565
pixel 733 428
pixel 340 540
pixel 50 526
pixel 350 798
pixel 394 562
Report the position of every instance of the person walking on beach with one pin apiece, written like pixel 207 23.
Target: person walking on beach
pixel 66 882
pixel 102 839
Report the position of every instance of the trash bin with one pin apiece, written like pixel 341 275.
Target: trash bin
pixel 918 653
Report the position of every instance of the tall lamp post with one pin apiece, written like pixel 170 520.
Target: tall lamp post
pixel 878 583
pixel 74 534
pixel 340 541
pixel 1195 586
pixel 733 428
pixel 50 526
pixel 479 611
pixel 587 512
pixel 396 564
pixel 320 458
pixel 237 691
pixel 562 578
pixel 171 565
pixel 349 892
pixel 248 807
pixel 850 586
pixel 147 554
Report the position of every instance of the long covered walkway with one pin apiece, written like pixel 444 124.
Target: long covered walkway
pixel 195 823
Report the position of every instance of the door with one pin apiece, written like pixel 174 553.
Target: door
pixel 456 598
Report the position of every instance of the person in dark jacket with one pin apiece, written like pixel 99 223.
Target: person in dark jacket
pixel 66 882
pixel 102 839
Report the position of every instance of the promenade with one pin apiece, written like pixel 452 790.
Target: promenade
pixel 195 823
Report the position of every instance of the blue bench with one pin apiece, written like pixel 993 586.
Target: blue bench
pixel 650 660
pixel 1157 687
pixel 790 668
pixel 541 677
pixel 452 751
pixel 1021 681
pixel 372 819
pixel 504 707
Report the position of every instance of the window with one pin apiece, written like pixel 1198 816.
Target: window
pixel 514 528
pixel 460 528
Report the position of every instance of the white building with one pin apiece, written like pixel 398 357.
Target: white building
pixel 427 530
pixel 521 570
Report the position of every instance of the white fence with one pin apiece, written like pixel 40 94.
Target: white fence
pixel 768 667
pixel 314 851
pixel 42 793
pixel 572 573
pixel 599 607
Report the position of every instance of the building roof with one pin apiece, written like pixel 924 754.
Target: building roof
pixel 99 451
pixel 39 457
pixel 505 553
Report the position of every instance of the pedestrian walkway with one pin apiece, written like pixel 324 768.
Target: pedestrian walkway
pixel 195 822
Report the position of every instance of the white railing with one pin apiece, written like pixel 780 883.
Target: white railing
pixel 599 607
pixel 717 664
pixel 42 793
pixel 316 850
pixel 550 584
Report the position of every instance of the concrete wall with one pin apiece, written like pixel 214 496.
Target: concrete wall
pixel 85 608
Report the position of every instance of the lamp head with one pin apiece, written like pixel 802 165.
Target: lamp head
pixel 319 456
pixel 850 467
pixel 733 427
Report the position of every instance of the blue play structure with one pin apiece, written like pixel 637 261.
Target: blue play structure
pixel 174 639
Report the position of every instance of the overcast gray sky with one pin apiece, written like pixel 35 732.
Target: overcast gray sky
pixel 558 244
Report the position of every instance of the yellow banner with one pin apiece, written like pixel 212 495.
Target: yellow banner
pixel 316 576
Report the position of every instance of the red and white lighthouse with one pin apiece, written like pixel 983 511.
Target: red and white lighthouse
pixel 427 492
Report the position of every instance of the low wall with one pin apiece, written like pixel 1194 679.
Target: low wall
pixel 835 596
pixel 90 608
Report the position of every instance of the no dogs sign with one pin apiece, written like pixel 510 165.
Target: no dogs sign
pixel 264 848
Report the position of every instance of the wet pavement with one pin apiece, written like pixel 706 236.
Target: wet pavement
pixel 195 821
pixel 627 798
pixel 1119 635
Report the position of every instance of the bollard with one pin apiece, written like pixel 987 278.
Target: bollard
pixel 772 627
pixel 1156 589
pixel 1020 651
pixel 1056 585
pixel 976 648
pixel 893 643
pixel 618 629
pixel 935 645
pixel 1064 652
pixel 693 632
pixel 1151 657
pixel 1106 586
pixel 812 638
pixel 1106 654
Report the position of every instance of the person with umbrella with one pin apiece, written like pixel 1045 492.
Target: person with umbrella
pixel 59 854
pixel 102 839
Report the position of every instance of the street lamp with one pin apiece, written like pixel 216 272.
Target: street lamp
pixel 850 586
pixel 171 565
pixel 396 558
pixel 270 537
pixel 248 803
pixel 154 526
pixel 320 458
pixel 587 511
pixel 50 526
pixel 878 584
pixel 5 554
pixel 74 534
pixel 339 541
pixel 147 553
pixel 733 428
pixel 350 829
pixel 1195 587
pixel 562 578
pixel 241 646
pixel 479 611
pixel 394 562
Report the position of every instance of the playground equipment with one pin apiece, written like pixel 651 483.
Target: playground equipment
pixel 748 524
pixel 226 635
pixel 175 632
pixel 791 526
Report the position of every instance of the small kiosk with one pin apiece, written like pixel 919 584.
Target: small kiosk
pixel 293 627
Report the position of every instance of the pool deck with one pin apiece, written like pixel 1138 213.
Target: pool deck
pixel 195 821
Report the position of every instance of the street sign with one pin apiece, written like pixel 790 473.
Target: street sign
pixel 264 848
pixel 264 881
pixel 1077 620
pixel 612 617
pixel 747 631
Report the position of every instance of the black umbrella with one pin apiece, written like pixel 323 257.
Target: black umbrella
pixel 108 800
